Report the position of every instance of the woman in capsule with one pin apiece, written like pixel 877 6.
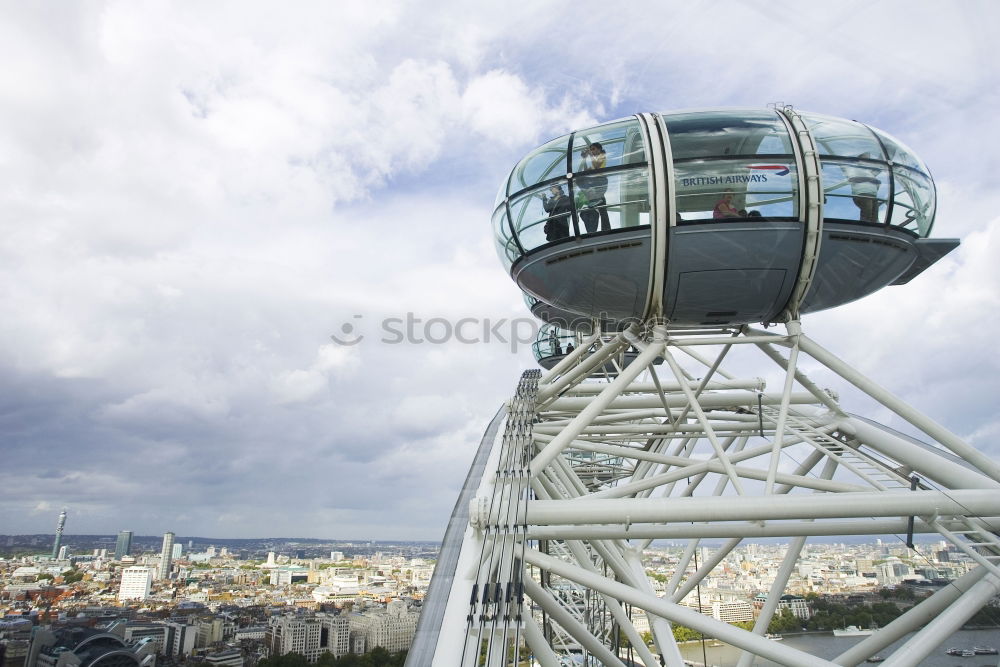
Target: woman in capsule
pixel 594 187
pixel 724 208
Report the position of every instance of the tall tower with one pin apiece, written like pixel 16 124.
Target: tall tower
pixel 166 555
pixel 59 532
pixel 124 544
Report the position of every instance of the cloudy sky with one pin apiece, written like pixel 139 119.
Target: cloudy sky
pixel 195 196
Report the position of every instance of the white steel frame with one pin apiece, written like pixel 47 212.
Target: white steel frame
pixel 590 467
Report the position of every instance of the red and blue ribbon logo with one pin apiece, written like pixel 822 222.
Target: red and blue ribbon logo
pixel 778 169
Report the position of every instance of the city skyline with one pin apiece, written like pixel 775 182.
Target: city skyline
pixel 196 199
pixel 154 543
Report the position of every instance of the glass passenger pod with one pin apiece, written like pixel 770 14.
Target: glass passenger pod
pixel 575 226
pixel 552 344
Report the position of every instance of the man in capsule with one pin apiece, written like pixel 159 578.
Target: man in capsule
pixel 864 188
pixel 559 207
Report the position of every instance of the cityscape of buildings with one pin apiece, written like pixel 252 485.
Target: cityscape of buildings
pixel 233 605
pixel 119 601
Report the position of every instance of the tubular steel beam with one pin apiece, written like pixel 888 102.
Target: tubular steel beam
pixel 814 506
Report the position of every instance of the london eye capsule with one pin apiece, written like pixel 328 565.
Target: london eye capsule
pixel 716 217
pixel 552 344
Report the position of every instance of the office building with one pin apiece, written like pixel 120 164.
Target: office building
pixel 727 611
pixel 209 631
pixel 136 583
pixel 166 555
pixel 310 636
pixel 154 632
pixel 228 658
pixel 172 639
pixel 123 547
pixel 391 628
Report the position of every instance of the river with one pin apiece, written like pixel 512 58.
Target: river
pixel 827 646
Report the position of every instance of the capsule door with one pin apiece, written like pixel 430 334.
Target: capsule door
pixel 735 231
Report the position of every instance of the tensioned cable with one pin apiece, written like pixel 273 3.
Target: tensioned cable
pixel 491 601
pixel 515 480
pixel 482 589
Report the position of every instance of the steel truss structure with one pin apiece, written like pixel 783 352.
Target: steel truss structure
pixel 590 466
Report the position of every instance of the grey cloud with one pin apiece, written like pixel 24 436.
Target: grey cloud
pixel 191 211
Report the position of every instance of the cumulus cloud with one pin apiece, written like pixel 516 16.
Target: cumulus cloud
pixel 196 198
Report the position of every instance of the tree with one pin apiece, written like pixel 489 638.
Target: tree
pixel 784 621
pixel 72 576
pixel 378 657
pixel 288 660
pixel 685 634
pixel 326 660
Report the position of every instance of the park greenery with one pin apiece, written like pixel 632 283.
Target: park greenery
pixel 72 576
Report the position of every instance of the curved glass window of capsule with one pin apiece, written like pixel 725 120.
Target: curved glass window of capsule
pixel 503 241
pixel 736 190
pixel 609 145
pixel 726 134
pixel 913 201
pixel 836 137
pixel 612 200
pixel 540 165
pixel 855 190
pixel 553 341
pixel 913 192
pixel 542 215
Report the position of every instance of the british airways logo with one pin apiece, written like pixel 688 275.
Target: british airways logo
pixel 737 179
pixel 777 169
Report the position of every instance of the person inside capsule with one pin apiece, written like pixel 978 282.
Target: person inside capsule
pixel 724 208
pixel 864 188
pixel 594 188
pixel 559 207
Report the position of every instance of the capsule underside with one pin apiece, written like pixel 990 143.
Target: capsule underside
pixel 728 193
